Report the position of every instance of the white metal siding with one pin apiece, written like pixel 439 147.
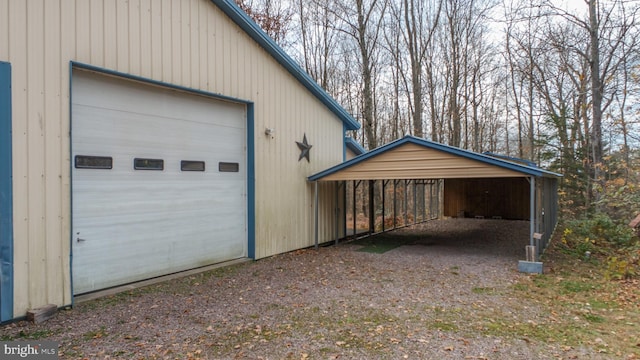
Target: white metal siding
pixel 132 224
pixel 190 43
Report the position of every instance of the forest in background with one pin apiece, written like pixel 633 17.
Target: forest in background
pixel 553 82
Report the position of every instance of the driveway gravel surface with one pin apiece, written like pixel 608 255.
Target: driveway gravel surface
pixel 446 293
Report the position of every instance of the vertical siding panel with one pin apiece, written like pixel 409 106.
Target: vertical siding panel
pixel 298 225
pixel 264 234
pixel 67 49
pixel 242 69
pixel 20 150
pixel 156 29
pixel 176 48
pixel 122 35
pixel 146 65
pixel 110 34
pixel 83 31
pixel 235 61
pixel 4 30
pixel 55 236
pixel 97 32
pixel 134 37
pixel 211 50
pixel 291 163
pixel 194 37
pixel 36 128
pixel 226 57
pixel 218 53
pixel 254 57
pixel 167 36
pixel 185 43
pixel 205 8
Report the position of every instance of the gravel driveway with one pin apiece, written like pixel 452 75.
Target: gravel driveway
pixel 427 299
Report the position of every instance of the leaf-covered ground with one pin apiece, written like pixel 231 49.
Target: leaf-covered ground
pixel 451 290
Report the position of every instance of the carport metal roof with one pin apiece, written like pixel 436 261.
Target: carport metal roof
pixel 416 158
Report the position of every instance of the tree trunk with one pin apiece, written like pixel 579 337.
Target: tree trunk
pixel 596 99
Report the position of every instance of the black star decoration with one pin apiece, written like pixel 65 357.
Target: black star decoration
pixel 304 148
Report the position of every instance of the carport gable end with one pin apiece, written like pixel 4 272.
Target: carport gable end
pixel 417 158
pixel 395 160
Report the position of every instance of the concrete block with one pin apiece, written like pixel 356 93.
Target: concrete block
pixel 530 267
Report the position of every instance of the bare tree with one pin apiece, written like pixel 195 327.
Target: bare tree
pixel 610 26
pixel 421 20
pixel 273 16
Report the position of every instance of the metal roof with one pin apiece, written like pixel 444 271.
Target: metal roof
pixel 231 9
pixel 415 158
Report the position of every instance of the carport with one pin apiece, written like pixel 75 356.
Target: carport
pixel 460 183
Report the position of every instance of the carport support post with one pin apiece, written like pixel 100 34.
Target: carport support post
pixel 316 216
pixel 532 212
pixel 372 211
pixel 406 202
pixel 416 197
pixel 395 204
pixel 338 183
pixel 355 229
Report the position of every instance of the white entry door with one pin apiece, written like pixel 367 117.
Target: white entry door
pixel 159 181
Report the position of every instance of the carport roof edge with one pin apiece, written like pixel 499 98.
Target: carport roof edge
pixel 238 16
pixel 524 169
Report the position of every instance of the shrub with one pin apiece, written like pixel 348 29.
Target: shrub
pixel 600 231
pixel 596 235
pixel 625 264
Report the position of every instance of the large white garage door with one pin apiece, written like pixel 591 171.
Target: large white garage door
pixel 159 181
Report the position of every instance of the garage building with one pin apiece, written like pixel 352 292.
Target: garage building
pixel 142 138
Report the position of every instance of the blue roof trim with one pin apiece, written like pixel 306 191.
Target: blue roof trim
pixel 511 158
pixel 238 16
pixel 354 146
pixel 528 170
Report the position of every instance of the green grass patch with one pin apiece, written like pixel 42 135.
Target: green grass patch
pixel 484 290
pixel 443 325
pixel 600 305
pixel 95 334
pixel 571 286
pixel 520 287
pixel 29 335
pixel 593 318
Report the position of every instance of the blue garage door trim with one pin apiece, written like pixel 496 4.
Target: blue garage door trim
pixel 6 196
pixel 251 184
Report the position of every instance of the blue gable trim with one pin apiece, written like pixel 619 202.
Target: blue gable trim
pixel 238 16
pixel 511 158
pixel 528 170
pixel 6 196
